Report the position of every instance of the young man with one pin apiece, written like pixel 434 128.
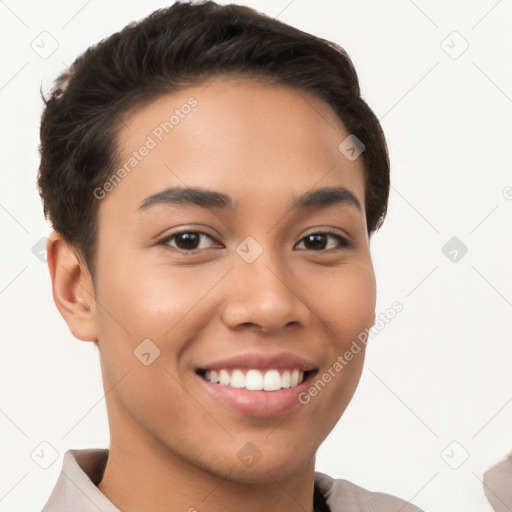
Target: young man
pixel 213 177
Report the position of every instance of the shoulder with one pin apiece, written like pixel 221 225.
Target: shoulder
pixel 343 495
pixel 76 488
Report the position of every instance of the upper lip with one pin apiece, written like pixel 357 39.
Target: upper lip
pixel 263 361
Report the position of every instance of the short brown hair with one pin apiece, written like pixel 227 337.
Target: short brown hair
pixel 169 50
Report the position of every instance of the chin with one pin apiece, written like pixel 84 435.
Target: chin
pixel 270 467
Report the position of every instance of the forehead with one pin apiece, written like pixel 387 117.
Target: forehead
pixel 243 137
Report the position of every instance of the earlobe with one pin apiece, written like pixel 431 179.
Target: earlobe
pixel 72 288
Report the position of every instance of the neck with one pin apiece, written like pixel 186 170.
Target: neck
pixel 142 475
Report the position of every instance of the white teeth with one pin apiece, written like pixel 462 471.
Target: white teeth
pixel 224 378
pixel 237 379
pixel 285 379
pixel 255 380
pixel 272 381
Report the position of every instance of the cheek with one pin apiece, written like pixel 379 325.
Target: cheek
pixel 358 308
pixel 152 302
pixel 137 306
pixel 345 301
pixel 346 308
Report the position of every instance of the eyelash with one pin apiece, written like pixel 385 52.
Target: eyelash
pixel 344 242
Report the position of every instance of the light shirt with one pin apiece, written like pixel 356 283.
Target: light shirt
pixel 498 485
pixel 82 470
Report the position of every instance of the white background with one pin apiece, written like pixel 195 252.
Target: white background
pixel 438 373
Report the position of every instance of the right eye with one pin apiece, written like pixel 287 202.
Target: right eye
pixel 186 241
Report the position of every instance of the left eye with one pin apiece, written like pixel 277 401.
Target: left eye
pixel 189 241
pixel 318 239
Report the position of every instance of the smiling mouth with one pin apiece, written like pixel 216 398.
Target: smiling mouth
pixel 253 379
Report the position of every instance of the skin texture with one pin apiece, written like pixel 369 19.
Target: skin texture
pixel 173 446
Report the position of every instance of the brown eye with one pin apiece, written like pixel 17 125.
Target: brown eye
pixel 317 241
pixel 187 241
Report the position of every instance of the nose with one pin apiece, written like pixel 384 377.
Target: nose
pixel 264 296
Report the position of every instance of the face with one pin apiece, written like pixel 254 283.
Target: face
pixel 243 277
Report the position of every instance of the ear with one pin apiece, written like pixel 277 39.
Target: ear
pixel 72 288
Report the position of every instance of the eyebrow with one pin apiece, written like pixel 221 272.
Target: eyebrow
pixel 313 199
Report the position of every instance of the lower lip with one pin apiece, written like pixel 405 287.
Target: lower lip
pixel 260 404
